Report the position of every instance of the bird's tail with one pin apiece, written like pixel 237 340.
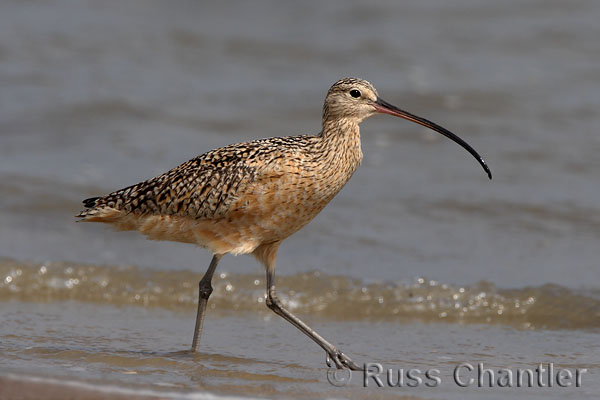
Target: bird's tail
pixel 96 210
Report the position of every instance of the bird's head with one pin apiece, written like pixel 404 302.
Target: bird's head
pixel 351 99
pixel 354 100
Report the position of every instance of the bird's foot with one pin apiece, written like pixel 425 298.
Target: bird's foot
pixel 340 360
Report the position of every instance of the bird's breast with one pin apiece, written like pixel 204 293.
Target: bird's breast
pixel 281 202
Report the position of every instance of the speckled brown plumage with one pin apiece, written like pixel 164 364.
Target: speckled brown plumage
pixel 235 198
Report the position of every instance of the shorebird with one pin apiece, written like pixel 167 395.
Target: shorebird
pixel 246 198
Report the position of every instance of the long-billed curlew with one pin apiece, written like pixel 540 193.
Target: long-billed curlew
pixel 246 198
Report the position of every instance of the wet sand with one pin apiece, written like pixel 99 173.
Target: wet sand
pixel 34 388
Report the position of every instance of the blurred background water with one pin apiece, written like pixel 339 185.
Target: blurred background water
pixel 95 96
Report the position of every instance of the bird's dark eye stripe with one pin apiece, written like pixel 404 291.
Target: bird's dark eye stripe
pixel 355 93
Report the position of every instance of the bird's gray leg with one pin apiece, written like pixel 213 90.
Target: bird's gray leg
pixel 333 354
pixel 203 295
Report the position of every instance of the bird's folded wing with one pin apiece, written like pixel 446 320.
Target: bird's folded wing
pixel 199 188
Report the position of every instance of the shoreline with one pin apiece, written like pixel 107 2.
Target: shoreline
pixel 19 387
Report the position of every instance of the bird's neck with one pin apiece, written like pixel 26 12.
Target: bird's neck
pixel 340 140
pixel 340 132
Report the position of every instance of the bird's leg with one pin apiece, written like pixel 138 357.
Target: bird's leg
pixel 333 354
pixel 205 289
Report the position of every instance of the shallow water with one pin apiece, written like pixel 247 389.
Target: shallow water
pixel 257 355
pixel 331 297
pixel 419 262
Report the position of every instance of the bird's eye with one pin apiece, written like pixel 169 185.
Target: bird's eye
pixel 355 93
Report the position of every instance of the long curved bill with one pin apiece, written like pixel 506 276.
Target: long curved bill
pixel 386 108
